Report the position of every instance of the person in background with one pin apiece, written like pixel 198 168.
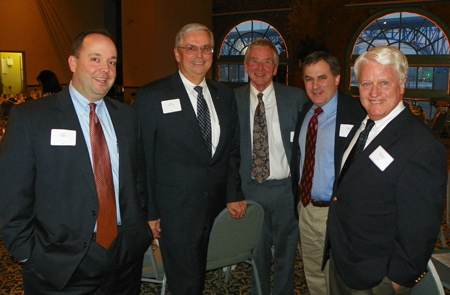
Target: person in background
pixel 386 210
pixel 269 186
pixel 339 114
pixel 71 178
pixel 190 128
pixel 49 83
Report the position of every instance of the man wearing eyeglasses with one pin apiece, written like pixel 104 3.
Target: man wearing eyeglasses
pixel 190 130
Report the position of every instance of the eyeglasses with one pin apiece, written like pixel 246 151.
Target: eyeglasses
pixel 193 49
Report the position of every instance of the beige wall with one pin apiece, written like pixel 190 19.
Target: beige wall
pixel 44 30
pixel 148 34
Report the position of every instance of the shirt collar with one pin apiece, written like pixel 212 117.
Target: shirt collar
pixel 189 84
pixel 267 94
pixel 330 106
pixel 380 124
pixel 80 100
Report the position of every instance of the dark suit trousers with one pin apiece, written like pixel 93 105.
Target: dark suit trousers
pixel 280 230
pixel 185 262
pixel 101 272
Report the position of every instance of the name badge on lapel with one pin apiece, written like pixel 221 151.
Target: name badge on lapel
pixel 63 137
pixel 381 158
pixel 345 129
pixel 171 105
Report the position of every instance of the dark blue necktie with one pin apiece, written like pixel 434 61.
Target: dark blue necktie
pixel 357 148
pixel 204 120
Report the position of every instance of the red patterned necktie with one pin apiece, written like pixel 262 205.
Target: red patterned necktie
pixel 107 218
pixel 308 165
pixel 261 163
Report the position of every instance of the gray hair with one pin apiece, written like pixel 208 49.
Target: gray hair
pixel 386 56
pixel 189 28
pixel 262 43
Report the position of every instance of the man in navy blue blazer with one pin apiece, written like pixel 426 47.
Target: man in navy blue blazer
pixel 386 210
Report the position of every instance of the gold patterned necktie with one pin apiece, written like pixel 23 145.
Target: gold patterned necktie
pixel 107 218
pixel 261 163
pixel 309 163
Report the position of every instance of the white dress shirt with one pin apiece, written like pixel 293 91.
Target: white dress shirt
pixel 279 166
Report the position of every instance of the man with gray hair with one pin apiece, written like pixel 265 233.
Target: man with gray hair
pixel 386 210
pixel 190 129
pixel 269 184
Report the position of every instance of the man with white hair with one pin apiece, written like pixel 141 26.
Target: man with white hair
pixel 386 210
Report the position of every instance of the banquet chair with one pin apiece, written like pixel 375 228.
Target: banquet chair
pixel 153 269
pixel 234 240
pixel 431 284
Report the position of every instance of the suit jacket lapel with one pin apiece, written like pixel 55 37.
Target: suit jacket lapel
pixel 386 138
pixel 69 120
pixel 244 110
pixel 283 110
pixel 221 112
pixel 189 117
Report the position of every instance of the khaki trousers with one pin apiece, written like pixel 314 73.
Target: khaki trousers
pixel 313 224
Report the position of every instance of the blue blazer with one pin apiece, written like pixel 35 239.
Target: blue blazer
pixel 385 223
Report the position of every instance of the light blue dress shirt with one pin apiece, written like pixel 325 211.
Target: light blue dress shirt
pixel 82 109
pixel 323 180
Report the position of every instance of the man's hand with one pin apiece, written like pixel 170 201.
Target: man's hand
pixel 395 286
pixel 237 209
pixel 155 226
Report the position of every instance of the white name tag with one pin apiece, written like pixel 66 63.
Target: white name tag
pixel 292 136
pixel 381 158
pixel 171 105
pixel 345 129
pixel 63 137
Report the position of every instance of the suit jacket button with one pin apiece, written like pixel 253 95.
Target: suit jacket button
pixel 93 213
pixel 335 199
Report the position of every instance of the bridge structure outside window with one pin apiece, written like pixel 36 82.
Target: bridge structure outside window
pixel 422 38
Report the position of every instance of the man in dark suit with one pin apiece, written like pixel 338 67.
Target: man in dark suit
pixel 387 208
pixel 339 115
pixel 51 196
pixel 191 139
pixel 281 106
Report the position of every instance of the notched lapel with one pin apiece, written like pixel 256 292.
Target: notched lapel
pixel 69 120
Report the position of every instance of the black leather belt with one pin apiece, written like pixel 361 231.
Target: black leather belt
pixel 316 203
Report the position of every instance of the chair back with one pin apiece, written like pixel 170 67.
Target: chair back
pixel 234 240
pixel 431 284
pixel 153 269
pixel 439 121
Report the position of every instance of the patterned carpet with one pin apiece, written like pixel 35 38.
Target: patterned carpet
pixel 239 284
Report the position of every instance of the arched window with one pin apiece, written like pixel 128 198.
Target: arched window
pixel 230 59
pixel 421 37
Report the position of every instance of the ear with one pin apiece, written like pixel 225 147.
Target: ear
pixel 337 79
pixel 72 63
pixel 403 87
pixel 177 54
pixel 275 70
